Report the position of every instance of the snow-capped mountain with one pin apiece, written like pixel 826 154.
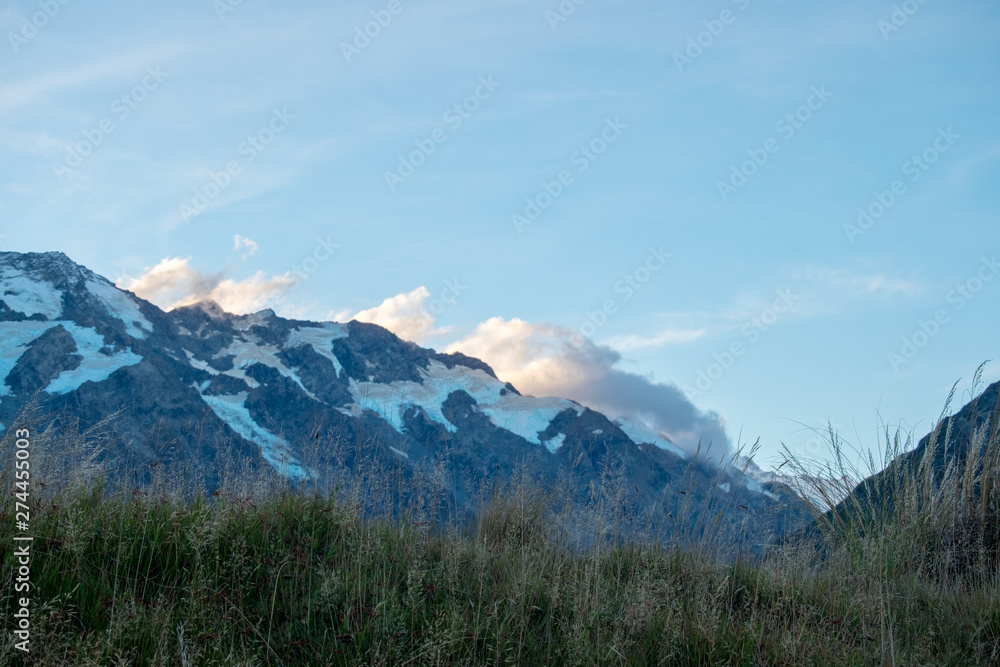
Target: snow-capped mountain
pixel 821 489
pixel 189 380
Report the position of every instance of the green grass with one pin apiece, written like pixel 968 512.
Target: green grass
pixel 130 577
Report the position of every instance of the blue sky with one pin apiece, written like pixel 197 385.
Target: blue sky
pixel 206 121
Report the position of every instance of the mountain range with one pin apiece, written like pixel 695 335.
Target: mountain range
pixel 293 397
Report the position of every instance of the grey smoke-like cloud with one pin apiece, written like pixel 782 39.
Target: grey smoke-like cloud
pixel 540 360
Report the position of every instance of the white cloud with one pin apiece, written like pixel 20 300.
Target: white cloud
pixel 173 283
pixel 628 342
pixel 243 242
pixel 404 315
pixel 859 283
pixel 540 360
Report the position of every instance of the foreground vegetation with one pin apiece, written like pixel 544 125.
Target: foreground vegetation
pixel 135 576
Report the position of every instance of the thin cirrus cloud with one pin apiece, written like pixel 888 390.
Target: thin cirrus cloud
pixel 855 282
pixel 44 87
pixel 630 342
pixel 814 291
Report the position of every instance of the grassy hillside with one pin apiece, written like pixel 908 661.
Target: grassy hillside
pixel 267 576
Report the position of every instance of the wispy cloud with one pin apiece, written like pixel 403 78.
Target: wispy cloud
pixel 857 283
pixel 120 66
pixel 243 242
pixel 818 291
pixel 629 342
pixel 33 143
pixel 969 167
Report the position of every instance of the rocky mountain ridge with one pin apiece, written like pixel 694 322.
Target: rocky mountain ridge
pixel 189 382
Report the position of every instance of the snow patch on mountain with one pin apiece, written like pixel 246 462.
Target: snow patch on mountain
pixel 119 305
pixel 353 410
pixel 199 364
pixel 526 416
pixel 275 450
pixel 522 415
pixel 553 444
pixel 241 374
pixel 246 354
pixel 816 487
pixel 14 342
pixel 755 486
pixel 29 295
pixel 96 366
pixel 391 401
pixel 258 319
pixel 640 434
pixel 321 339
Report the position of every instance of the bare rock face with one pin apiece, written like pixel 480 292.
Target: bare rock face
pixel 279 392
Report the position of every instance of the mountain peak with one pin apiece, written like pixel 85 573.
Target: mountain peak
pixel 208 307
pixel 55 267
